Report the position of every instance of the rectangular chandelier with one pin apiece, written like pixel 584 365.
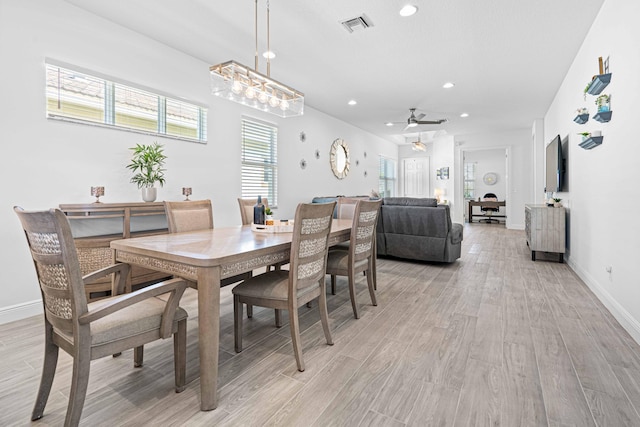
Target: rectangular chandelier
pixel 239 83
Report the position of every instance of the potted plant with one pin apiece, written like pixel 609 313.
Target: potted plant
pixel 585 135
pixel 557 202
pixel 602 102
pixel 268 216
pixel 147 164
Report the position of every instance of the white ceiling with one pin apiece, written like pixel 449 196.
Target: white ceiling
pixel 506 57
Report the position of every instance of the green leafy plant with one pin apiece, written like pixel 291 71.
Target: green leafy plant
pixel 557 200
pixel 147 164
pixel 585 134
pixel 602 100
pixel 267 211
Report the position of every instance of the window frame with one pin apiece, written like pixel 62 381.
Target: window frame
pixel 469 180
pixel 110 109
pixel 387 183
pixel 270 167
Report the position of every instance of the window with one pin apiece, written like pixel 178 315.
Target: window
pixel 387 179
pixel 260 160
pixel 80 97
pixel 469 180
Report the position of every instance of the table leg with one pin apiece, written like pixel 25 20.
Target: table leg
pixel 208 335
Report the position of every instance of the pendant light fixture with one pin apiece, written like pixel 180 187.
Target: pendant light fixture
pixel 418 145
pixel 239 83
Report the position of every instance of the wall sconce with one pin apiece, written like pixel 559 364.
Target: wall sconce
pixel 97 192
pixel 186 191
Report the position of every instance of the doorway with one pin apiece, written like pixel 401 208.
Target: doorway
pixel 485 171
pixel 415 177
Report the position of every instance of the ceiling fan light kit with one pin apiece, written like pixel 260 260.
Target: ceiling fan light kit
pixel 414 120
pixel 244 85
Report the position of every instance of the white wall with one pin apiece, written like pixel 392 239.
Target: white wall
pixel 45 162
pixel 602 200
pixel 518 145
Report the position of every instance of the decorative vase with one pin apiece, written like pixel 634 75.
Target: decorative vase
pixel 149 194
pixel 558 204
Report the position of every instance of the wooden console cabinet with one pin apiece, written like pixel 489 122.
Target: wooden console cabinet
pixel 545 229
pixel 95 225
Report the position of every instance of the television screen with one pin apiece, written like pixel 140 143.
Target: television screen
pixel 554 166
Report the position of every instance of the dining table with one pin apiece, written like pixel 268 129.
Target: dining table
pixel 206 257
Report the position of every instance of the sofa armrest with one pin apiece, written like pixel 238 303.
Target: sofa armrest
pixel 455 234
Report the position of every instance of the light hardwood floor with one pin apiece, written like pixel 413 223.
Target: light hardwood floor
pixel 492 339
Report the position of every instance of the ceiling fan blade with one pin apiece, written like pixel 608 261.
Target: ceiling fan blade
pixel 432 122
pixel 420 116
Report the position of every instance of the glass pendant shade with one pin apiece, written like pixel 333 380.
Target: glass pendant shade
pixel 239 83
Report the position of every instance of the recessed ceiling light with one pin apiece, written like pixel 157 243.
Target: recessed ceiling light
pixel 352 102
pixel 269 54
pixel 448 85
pixel 389 124
pixel 464 115
pixel 408 10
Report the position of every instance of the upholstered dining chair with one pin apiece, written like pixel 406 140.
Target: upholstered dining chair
pixel 246 208
pixel 194 215
pixel 303 282
pixel 89 331
pixel 360 257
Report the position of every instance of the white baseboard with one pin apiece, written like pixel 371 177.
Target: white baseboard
pixel 628 322
pixel 20 311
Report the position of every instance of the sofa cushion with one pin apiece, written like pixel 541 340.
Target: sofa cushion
pixel 410 201
pixel 416 221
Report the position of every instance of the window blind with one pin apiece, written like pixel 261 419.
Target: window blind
pixel 387 177
pixel 259 160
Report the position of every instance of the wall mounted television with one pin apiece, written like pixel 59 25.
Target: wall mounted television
pixel 555 166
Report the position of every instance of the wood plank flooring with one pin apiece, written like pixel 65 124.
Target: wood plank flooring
pixel 492 339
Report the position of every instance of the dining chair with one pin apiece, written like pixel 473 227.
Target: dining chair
pixel 246 208
pixel 89 331
pixel 360 257
pixel 194 215
pixel 303 282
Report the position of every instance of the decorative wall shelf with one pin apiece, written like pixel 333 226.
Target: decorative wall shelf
pixel 603 116
pixel 581 119
pixel 591 142
pixel 599 83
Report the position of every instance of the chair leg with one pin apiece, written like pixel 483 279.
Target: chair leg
pixel 180 355
pixel 48 372
pixel 372 291
pixel 249 311
pixel 352 293
pixel 138 357
pixel 333 284
pixel 79 384
pixel 295 337
pixel 237 323
pixel 324 317
pixel 278 315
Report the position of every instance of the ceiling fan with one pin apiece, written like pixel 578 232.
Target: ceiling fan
pixel 414 120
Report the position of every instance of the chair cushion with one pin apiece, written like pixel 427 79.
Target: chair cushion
pixel 338 262
pixel 134 320
pixel 272 285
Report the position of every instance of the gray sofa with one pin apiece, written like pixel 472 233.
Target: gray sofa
pixel 417 229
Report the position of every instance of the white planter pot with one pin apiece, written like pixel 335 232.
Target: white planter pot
pixel 149 194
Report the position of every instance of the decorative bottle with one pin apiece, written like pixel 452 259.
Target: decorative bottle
pixel 258 212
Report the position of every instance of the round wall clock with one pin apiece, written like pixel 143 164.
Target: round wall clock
pixel 490 178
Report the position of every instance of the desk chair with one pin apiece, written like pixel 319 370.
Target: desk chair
pixel 88 331
pixel 304 282
pixel 489 210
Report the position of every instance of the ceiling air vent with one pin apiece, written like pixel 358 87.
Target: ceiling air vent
pixel 357 24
